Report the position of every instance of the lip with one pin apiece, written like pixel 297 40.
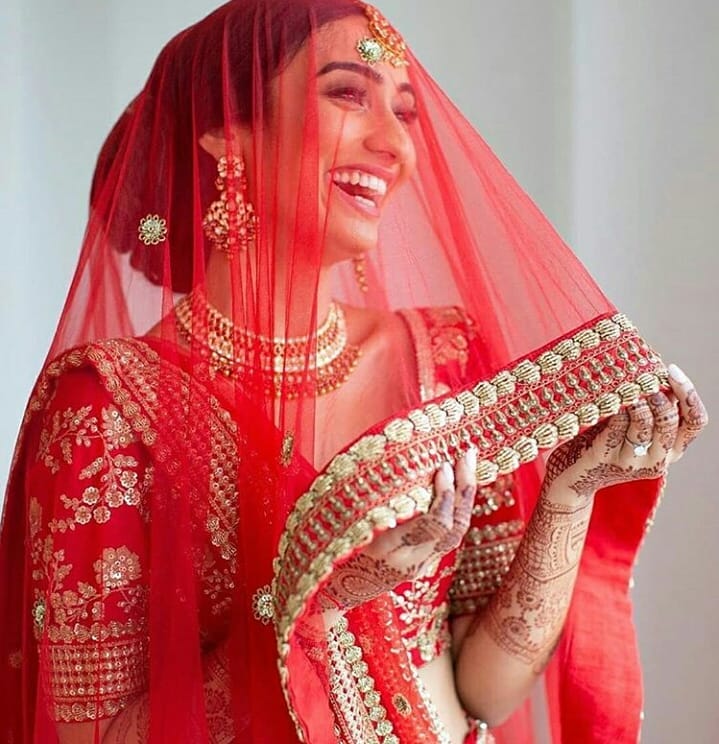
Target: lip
pixel 388 176
pixel 364 209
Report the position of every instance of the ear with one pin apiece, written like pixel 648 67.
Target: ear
pixel 215 142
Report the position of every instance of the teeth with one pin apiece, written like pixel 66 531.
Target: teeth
pixel 359 178
pixel 365 201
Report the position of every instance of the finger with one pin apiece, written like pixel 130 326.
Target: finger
pixel 440 518
pixel 640 430
pixel 610 437
pixel 666 422
pixel 693 414
pixel 465 484
pixel 465 491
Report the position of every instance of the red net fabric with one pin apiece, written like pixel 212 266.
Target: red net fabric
pixel 238 397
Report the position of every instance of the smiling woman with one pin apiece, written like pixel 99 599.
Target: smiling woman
pixel 280 477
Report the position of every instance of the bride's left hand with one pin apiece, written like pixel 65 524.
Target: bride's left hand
pixel 637 443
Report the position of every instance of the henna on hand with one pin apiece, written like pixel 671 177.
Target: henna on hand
pixel 693 414
pixel 462 518
pixel 695 418
pixel 564 457
pixel 359 579
pixel 666 420
pixel 431 526
pixel 403 553
pixel 616 429
pixel 606 456
pixel 609 474
pixel 641 423
pixel 131 726
pixel 218 708
pixel 526 615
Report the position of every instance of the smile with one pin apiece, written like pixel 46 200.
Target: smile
pixel 364 188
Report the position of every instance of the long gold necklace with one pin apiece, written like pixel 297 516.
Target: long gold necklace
pixel 284 367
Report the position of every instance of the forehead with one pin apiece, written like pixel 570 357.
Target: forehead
pixel 337 42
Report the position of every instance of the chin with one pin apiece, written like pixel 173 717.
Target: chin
pixel 350 242
pixel 346 251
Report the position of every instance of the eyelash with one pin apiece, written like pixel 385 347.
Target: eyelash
pixel 348 93
pixel 407 117
pixel 358 96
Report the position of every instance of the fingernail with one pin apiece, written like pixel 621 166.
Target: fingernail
pixel 471 458
pixel 677 374
pixel 448 471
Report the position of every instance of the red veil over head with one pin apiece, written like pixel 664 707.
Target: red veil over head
pixel 305 282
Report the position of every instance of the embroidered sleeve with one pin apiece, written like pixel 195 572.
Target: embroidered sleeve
pixel 488 547
pixel 88 488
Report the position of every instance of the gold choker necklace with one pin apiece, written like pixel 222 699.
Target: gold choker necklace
pixel 284 367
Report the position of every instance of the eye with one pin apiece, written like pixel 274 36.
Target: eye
pixel 351 94
pixel 407 115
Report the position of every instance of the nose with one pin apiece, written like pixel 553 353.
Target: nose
pixel 388 137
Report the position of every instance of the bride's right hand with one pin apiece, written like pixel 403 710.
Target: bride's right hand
pixel 403 553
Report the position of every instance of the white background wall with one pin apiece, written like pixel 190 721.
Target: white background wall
pixel 607 111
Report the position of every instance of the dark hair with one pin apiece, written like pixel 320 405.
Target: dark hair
pixel 184 97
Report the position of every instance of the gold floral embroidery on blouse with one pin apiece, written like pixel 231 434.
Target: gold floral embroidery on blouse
pixel 89 605
pixel 114 479
pixel 76 615
pixel 87 681
pixel 67 429
pixel 423 618
pixel 449 331
pixel 441 336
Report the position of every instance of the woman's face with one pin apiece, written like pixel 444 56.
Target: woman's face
pixel 363 145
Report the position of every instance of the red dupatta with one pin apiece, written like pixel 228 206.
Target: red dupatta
pixel 275 84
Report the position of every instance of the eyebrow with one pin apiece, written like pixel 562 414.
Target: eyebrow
pixel 365 71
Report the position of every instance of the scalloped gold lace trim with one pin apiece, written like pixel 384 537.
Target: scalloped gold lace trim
pixel 537 404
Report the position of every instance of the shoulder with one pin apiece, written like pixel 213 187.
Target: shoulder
pixel 434 321
pixel 446 344
pixel 95 382
pixel 441 342
pixel 449 330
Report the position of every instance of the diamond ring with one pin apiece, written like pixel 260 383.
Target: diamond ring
pixel 638 448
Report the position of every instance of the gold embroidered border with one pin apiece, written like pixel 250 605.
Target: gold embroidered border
pixel 443 736
pixel 87 681
pixel 362 709
pixel 423 352
pixel 385 477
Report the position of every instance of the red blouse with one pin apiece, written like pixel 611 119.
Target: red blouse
pixel 89 527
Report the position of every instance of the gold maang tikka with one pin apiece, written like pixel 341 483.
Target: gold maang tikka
pixel 230 223
pixel 385 43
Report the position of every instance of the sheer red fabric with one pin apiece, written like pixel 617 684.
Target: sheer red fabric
pixel 305 283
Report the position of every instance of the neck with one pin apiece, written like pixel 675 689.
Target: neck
pixel 233 290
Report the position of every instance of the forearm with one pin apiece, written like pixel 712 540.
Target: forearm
pixel 132 725
pixel 502 650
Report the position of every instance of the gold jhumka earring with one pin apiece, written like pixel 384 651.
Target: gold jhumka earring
pixel 230 223
pixel 360 267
